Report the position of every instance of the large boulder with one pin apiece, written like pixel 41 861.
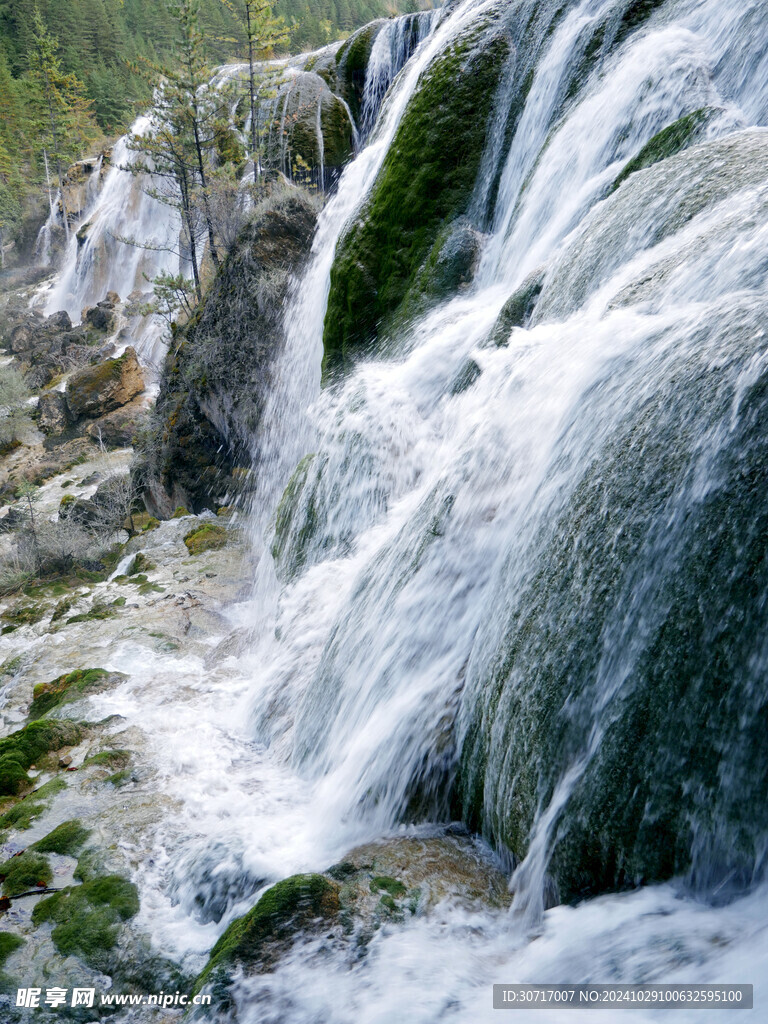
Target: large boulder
pixel 118 429
pixel 218 371
pixel 53 412
pixel 97 390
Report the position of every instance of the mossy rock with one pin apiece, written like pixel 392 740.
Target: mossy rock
pixel 517 310
pixel 72 685
pixel 636 14
pixel 29 870
pixel 66 839
pixel 96 613
pixel 24 747
pixel 86 917
pixel 109 759
pixel 676 785
pixel 426 182
pixel 673 139
pixel 25 615
pixel 296 905
pixel 208 537
pixel 295 521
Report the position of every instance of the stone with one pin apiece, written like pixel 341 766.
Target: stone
pixel 53 412
pixel 101 317
pixel 59 321
pixel 97 390
pixel 117 429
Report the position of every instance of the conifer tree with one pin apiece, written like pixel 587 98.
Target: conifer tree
pixel 62 117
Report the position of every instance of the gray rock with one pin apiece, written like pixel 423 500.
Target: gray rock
pixel 54 413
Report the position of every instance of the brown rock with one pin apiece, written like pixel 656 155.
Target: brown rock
pixel 118 428
pixel 96 390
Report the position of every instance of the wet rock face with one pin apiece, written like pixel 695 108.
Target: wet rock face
pixel 97 390
pixel 307 115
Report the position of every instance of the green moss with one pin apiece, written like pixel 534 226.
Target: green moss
pixel 86 917
pixel 426 181
pixel 62 608
pixel 8 944
pixel 23 748
pixel 672 139
pixel 66 839
pixel 109 758
pixel 389 885
pixel 11 666
pixel 96 613
pixel 208 537
pixel 282 912
pixel 27 871
pixel 50 789
pixel 636 13
pixel 22 815
pixel 26 615
pixel 119 779
pixel 180 512
pixel 141 564
pixel 48 695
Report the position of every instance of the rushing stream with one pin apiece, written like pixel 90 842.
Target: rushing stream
pixel 580 521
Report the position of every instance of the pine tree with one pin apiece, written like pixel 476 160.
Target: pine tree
pixel 63 115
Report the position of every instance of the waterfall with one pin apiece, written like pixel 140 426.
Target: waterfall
pixel 512 563
pixel 393 47
pixel 100 256
pixel 421 511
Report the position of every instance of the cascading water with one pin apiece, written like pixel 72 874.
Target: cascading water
pixel 100 257
pixel 428 542
pixel 393 47
pixel 517 560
